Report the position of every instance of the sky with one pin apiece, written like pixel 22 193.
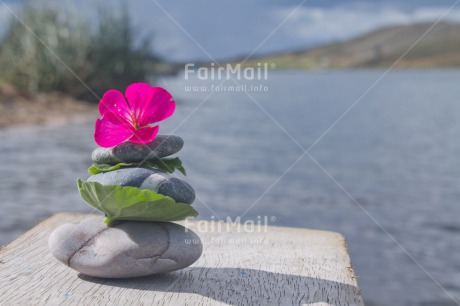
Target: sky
pixel 222 29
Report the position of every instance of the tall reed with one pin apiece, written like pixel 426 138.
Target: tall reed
pixel 55 50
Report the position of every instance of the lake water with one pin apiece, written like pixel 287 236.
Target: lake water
pixel 397 153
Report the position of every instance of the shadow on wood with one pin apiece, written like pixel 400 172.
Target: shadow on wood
pixel 241 286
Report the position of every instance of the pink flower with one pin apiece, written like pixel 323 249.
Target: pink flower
pixel 132 120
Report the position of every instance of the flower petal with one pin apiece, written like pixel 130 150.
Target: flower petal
pixel 108 134
pixel 139 96
pixel 145 135
pixel 149 104
pixel 114 103
pixel 163 107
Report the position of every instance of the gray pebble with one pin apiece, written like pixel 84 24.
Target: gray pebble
pixel 127 249
pixel 143 178
pixel 128 152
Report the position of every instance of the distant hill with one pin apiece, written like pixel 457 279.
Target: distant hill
pixel 381 48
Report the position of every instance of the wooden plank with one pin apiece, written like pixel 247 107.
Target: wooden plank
pixel 269 266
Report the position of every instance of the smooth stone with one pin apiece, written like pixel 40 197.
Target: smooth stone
pixel 128 152
pixel 126 249
pixel 143 178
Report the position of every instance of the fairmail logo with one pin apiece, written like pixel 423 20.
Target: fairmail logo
pixel 258 225
pixel 228 72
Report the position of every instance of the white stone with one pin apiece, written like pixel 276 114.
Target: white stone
pixel 126 249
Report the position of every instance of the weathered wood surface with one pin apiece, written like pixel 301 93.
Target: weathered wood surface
pixel 282 266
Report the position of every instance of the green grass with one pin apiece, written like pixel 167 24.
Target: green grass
pixel 53 50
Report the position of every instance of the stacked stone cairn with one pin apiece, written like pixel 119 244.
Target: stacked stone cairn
pixel 121 248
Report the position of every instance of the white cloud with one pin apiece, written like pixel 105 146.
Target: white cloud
pixel 241 28
pixel 317 25
pixel 430 14
pixel 234 28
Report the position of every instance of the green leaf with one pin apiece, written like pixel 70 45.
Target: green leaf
pixel 132 203
pixel 98 168
pixel 168 165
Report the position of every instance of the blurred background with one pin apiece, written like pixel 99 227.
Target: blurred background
pixel 355 128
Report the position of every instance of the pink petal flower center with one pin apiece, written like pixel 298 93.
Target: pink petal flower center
pixel 135 122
